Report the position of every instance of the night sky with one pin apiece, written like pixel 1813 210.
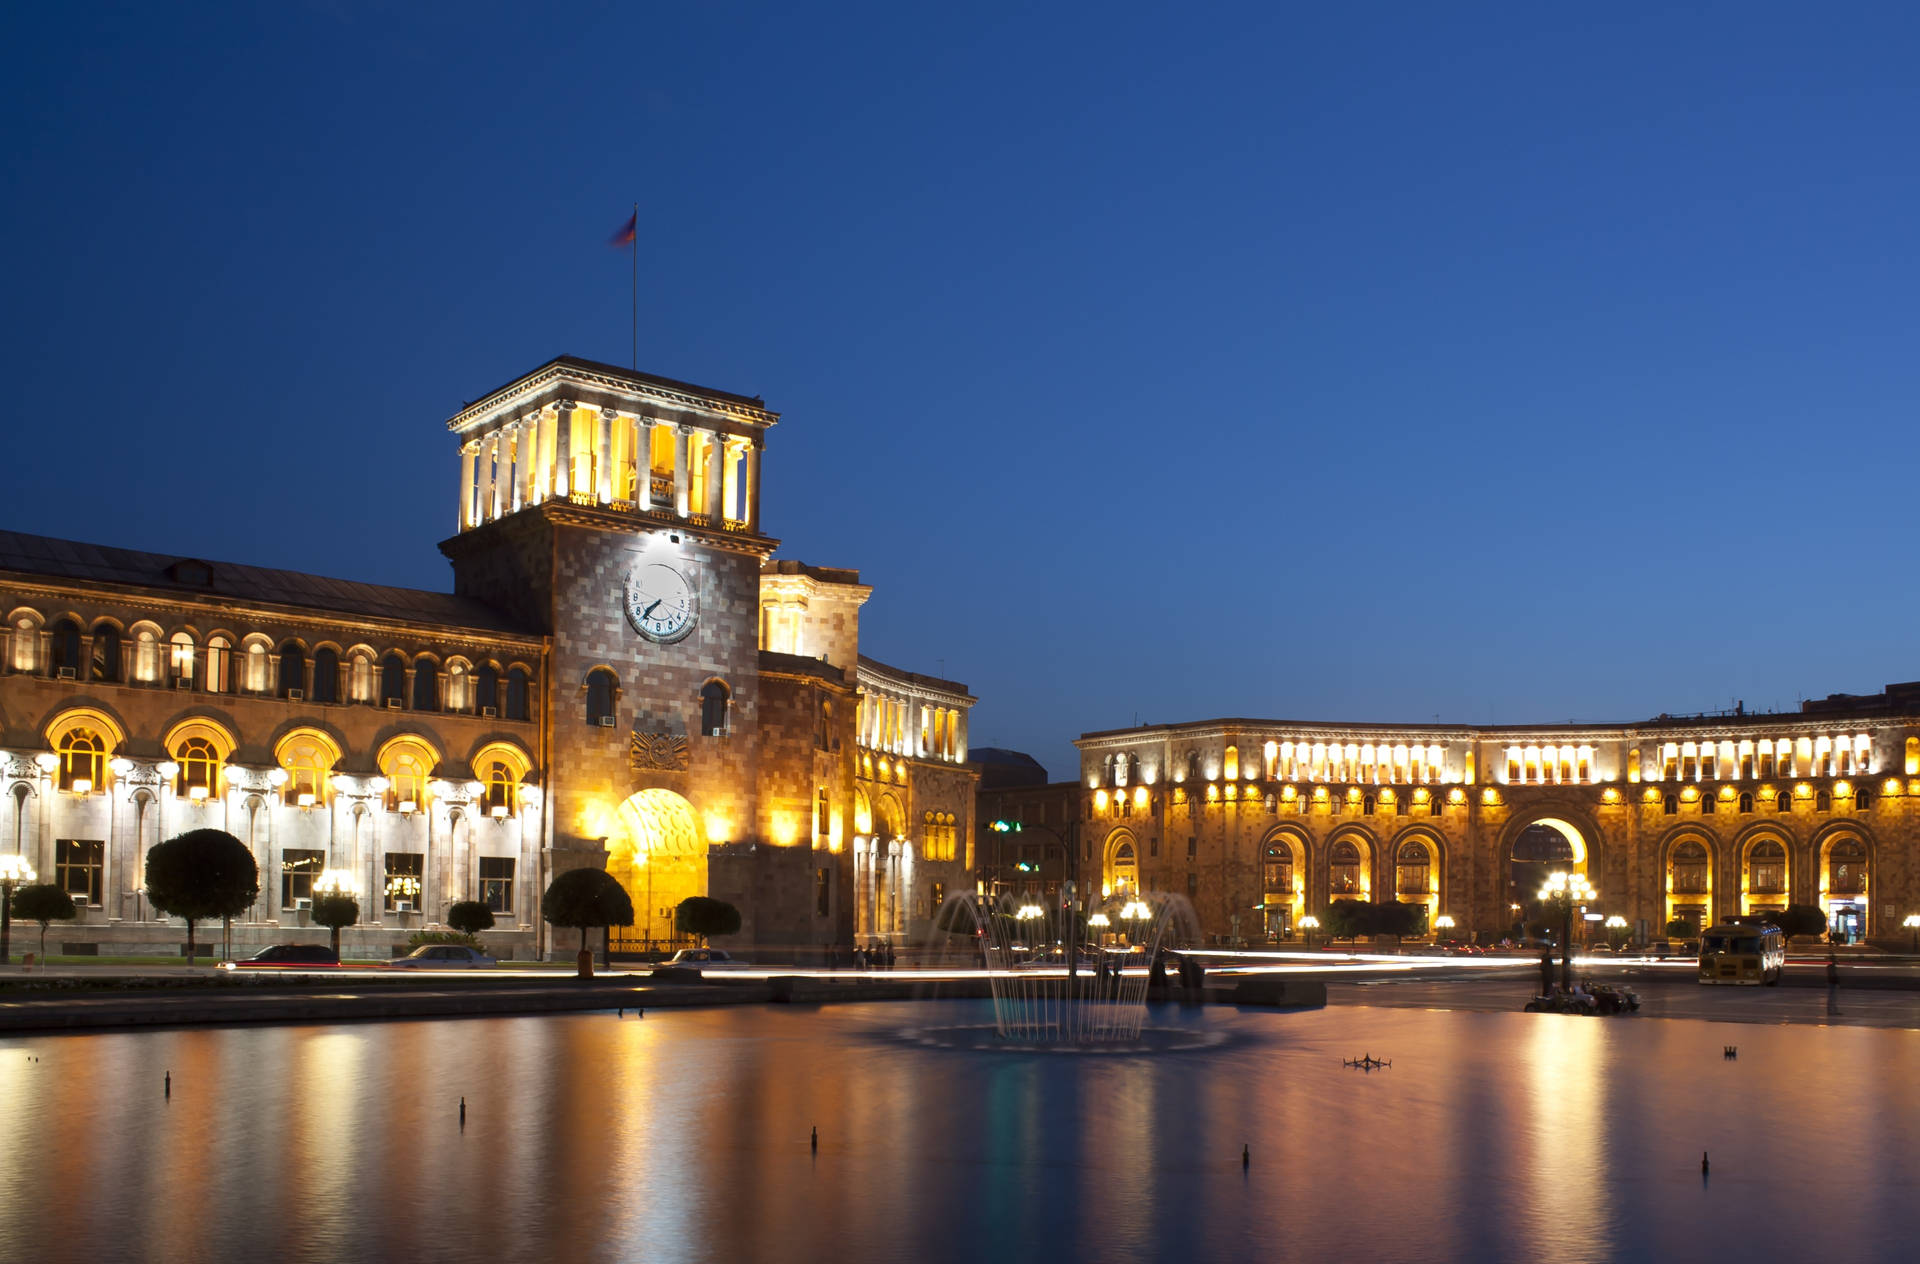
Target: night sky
pixel 1362 362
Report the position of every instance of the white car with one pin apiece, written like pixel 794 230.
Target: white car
pixel 443 957
pixel 704 959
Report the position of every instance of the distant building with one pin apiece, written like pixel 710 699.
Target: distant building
pixel 624 675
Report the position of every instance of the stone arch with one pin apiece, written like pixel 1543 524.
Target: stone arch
pixel 1689 859
pixel 862 813
pixel 1283 888
pixel 1365 879
pixel 1400 857
pixel 659 856
pixel 1758 894
pixel 890 820
pixel 1120 865
pixel 1845 884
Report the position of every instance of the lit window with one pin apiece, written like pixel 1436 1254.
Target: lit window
pixel 199 775
pixel 496 883
pixel 79 866
pixel 83 761
pixel 307 761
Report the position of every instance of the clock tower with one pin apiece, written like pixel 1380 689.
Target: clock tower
pixel 619 513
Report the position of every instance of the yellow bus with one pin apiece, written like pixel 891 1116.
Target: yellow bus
pixel 1743 954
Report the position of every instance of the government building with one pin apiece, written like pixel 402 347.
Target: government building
pixel 1262 823
pixel 623 675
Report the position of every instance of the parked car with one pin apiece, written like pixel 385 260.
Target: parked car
pixel 443 957
pixel 704 959
pixel 287 957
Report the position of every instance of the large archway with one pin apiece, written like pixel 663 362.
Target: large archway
pixel 1542 847
pixel 1120 867
pixel 659 858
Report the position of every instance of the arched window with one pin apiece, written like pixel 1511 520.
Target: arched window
pixel 407 764
pixel 1689 868
pixel 106 652
pixel 199 775
pixel 180 659
pixel 486 689
pixel 602 687
pixel 256 664
pixel 326 676
pixel 715 698
pixel 1746 801
pixel 1707 802
pixel 146 653
pixel 393 681
pixel 1343 864
pixel 426 684
pixel 517 693
pixel 360 677
pixel 502 789
pixel 1670 805
pixel 64 638
pixel 293 671
pixel 219 663
pixel 1783 802
pixel 1847 868
pixel 1193 765
pixel 308 762
pixel 83 761
pixel 1768 873
pixel 1366 806
pixel 1279 871
pixel 1823 802
pixel 1413 873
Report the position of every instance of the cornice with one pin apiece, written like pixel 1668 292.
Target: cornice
pixel 517 395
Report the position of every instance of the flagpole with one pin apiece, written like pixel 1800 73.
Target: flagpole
pixel 636 287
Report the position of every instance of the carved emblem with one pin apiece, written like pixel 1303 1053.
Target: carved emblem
pixel 658 751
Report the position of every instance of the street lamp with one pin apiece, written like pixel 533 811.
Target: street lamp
pixel 1562 891
pixel 1616 929
pixel 1443 922
pixel 1309 924
pixel 14 871
pixel 1913 924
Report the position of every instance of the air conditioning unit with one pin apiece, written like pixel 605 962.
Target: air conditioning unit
pixel 606 721
pixel 303 904
pixel 403 906
pixel 296 695
pixel 183 682
pixel 65 673
pixel 489 710
pixel 393 704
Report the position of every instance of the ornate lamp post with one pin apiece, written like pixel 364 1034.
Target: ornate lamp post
pixel 1562 891
pixel 1617 930
pixel 1443 922
pixel 14 871
pixel 1913 924
pixel 1309 924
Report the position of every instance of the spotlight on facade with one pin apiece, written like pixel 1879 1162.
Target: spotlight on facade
pixel 197 793
pixel 276 777
pixel 335 882
pixel 121 766
pixel 475 789
pixel 499 812
pixel 169 770
pixel 381 784
pixel 306 799
pixel 47 760
pixel 82 785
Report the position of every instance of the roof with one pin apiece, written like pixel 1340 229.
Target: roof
pixel 915 678
pixel 621 374
pixel 1006 769
pixel 195 577
pixel 801 665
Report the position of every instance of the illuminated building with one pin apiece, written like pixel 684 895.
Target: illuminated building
pixel 1261 823
pixel 624 675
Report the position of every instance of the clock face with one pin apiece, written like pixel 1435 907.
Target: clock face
pixel 661 604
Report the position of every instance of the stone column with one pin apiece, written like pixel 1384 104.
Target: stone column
pixel 483 478
pixel 563 450
pixel 468 453
pixel 538 481
pixel 750 492
pixel 680 492
pixel 603 459
pixel 513 454
pixel 716 469
pixel 643 463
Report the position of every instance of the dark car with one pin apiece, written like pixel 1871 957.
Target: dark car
pixel 287 956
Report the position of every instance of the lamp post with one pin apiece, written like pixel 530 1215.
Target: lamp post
pixel 14 871
pixel 1442 922
pixel 1616 930
pixel 1913 924
pixel 1562 891
pixel 1309 924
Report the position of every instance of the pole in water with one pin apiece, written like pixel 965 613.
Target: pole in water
pixel 1703 1163
pixel 816 1138
pixel 1246 1157
pixel 169 1083
pixel 463 1112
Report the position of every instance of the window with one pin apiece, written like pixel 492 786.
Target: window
pixel 1707 803
pixel 293 671
pixel 1689 875
pixel 426 684
pixel 64 639
pixel 1823 802
pixel 219 663
pixel 402 886
pixel 714 700
pixel 1344 869
pixel 1670 805
pixel 199 775
pixel 299 866
pixel 1279 871
pixel 486 688
pixel 407 763
pixel 500 789
pixel 307 760
pixel 517 694
pixel 496 883
pixel 393 680
pixel 936 896
pixel 1862 800
pixel 1193 885
pixel 1847 868
pixel 1783 802
pixel 83 761
pixel 601 688
pixel 326 676
pixel 1769 873
pixel 79 864
pixel 823 728
pixel 823 892
pixel 1746 802
pixel 1366 806
pixel 1413 875
pixel 106 652
pixel 1193 848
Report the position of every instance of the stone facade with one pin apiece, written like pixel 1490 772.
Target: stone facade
pixel 423 748
pixel 1262 823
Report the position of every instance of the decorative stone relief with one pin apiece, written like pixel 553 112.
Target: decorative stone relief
pixel 659 751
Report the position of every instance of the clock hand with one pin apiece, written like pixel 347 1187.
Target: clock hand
pixel 648 612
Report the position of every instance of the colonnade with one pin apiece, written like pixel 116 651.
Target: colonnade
pixel 590 455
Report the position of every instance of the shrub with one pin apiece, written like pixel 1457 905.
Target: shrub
pixel 1680 928
pixel 1799 919
pixel 470 916
pixel 334 910
pixel 586 898
pixel 699 915
pixel 421 938
pixel 43 902
pixel 200 874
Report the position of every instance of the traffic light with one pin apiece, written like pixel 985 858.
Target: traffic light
pixel 1005 827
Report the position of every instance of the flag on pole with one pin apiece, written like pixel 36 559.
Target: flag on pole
pixel 625 236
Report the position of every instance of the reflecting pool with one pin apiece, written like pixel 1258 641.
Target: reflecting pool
pixel 684 1136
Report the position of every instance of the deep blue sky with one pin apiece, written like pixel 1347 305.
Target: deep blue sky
pixel 1366 362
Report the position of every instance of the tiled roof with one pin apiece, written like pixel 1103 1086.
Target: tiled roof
pixel 163 572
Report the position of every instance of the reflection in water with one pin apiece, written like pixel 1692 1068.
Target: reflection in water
pixel 683 1136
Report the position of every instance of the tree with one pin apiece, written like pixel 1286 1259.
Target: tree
pixel 333 910
pixel 1799 919
pixel 586 898
pixel 699 915
pixel 470 917
pixel 1347 919
pixel 1679 928
pixel 43 902
pixel 200 874
pixel 1397 918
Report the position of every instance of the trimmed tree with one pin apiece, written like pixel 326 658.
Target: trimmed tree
pixel 43 902
pixel 1397 919
pixel 1347 919
pixel 200 874
pixel 1679 928
pixel 333 911
pixel 470 917
pixel 705 917
pixel 1799 919
pixel 586 898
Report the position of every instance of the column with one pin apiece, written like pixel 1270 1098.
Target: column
pixel 633 469
pixel 603 458
pixel 716 467
pixel 751 488
pixel 483 478
pixel 515 456
pixel 538 481
pixel 643 464
pixel 468 452
pixel 680 494
pixel 563 450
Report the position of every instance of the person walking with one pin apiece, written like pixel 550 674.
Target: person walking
pixel 1546 973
